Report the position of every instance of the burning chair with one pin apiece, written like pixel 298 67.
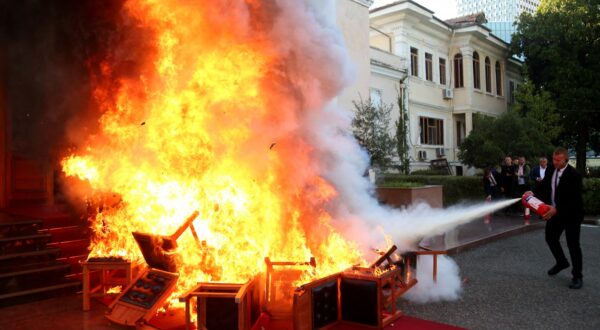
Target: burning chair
pixel 138 303
pixel 360 296
pixel 224 305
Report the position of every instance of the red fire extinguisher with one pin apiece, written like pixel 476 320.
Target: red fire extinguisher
pixel 535 204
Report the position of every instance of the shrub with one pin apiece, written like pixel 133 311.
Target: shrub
pixel 594 172
pixel 591 196
pixel 431 171
pixel 400 184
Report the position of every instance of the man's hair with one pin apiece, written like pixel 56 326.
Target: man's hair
pixel 544 157
pixel 561 151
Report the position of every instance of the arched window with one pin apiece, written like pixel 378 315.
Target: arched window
pixel 498 79
pixel 488 75
pixel 476 71
pixel 458 71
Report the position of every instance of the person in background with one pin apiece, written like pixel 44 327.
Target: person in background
pixel 507 172
pixel 491 184
pixel 522 175
pixel 562 189
pixel 491 188
pixel 538 172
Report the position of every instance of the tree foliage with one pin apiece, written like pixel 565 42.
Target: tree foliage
pixel 561 46
pixel 510 134
pixel 370 126
pixel 402 135
pixel 539 107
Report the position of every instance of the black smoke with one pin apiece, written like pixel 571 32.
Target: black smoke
pixel 51 50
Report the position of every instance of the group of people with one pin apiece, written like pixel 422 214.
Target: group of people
pixel 560 186
pixel 514 179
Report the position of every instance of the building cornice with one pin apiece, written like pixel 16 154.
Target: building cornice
pixel 387 70
pixel 366 3
pixel 429 106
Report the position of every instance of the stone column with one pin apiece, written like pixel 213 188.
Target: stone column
pixel 467 53
pixel 468 123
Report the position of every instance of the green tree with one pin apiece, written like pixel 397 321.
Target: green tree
pixel 561 46
pixel 510 134
pixel 539 107
pixel 402 134
pixel 371 127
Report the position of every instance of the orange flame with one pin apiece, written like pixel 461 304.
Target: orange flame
pixel 208 124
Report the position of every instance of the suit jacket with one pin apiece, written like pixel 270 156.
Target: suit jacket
pixel 535 172
pixel 568 194
pixel 487 185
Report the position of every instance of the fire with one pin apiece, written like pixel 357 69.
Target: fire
pixel 209 124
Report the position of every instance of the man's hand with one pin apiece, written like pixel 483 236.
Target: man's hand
pixel 527 193
pixel 551 212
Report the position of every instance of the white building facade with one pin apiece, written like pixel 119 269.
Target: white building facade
pixel 454 71
pixel 352 18
pixel 447 72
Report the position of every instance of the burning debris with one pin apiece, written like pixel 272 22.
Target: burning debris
pixel 220 81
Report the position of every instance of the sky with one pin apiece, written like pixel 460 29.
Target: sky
pixel 443 9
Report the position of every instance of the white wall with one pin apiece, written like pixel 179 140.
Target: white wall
pixel 353 20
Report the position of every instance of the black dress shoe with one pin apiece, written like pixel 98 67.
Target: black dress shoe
pixel 557 268
pixel 576 283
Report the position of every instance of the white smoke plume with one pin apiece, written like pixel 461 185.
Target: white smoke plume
pixel 325 66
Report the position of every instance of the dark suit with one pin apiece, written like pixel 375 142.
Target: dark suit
pixel 489 189
pixel 569 215
pixel 535 173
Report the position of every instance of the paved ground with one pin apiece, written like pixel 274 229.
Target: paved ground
pixel 507 287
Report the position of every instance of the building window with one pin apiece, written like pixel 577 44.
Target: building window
pixel 458 71
pixel 460 133
pixel 442 71
pixel 498 79
pixel 511 92
pixel 476 71
pixel 428 67
pixel 432 131
pixel 488 75
pixel 375 95
pixel 414 61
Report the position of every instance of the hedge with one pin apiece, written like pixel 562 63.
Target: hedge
pixel 591 196
pixel 459 189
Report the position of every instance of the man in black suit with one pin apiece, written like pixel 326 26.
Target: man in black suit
pixel 538 172
pixel 562 189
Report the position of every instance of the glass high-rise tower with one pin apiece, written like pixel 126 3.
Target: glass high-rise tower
pixel 501 14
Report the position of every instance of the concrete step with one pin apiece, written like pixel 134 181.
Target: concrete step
pixel 51 215
pixel 71 248
pixel 39 292
pixel 68 233
pixel 29 257
pixel 35 242
pixel 75 263
pixel 11 226
pixel 23 278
